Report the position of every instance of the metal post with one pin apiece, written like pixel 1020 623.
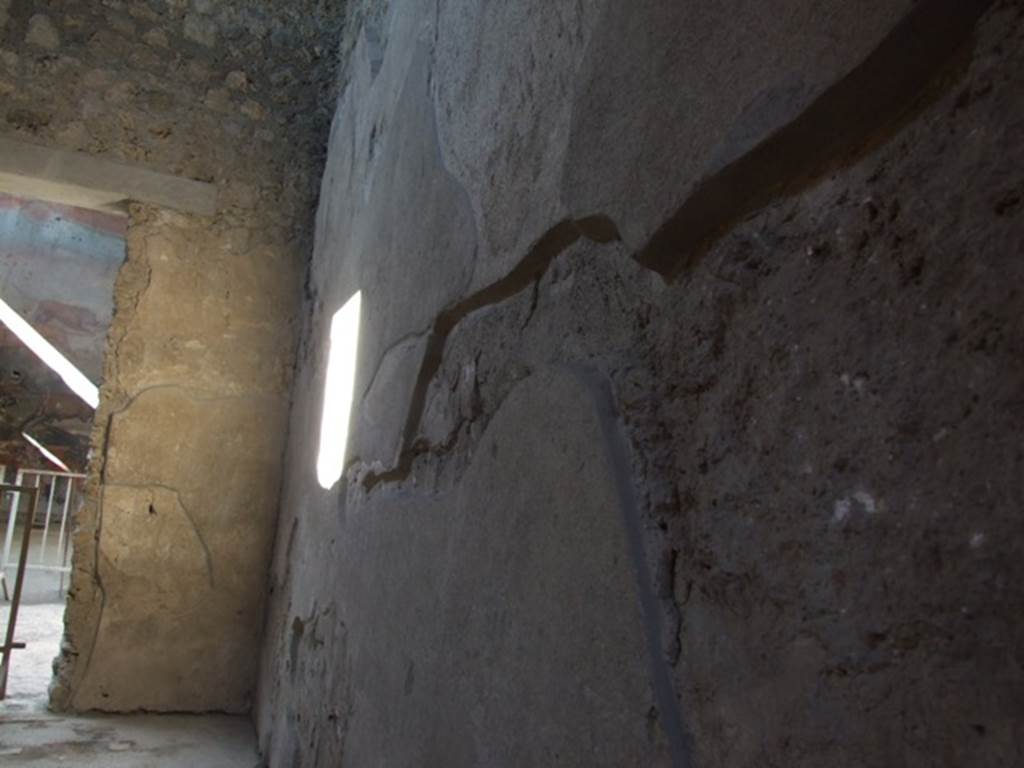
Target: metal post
pixel 3 565
pixel 61 544
pixel 9 538
pixel 12 618
pixel 46 525
pixel 32 520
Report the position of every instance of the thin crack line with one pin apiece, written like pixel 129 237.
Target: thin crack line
pixel 185 510
pixel 558 239
pixel 404 339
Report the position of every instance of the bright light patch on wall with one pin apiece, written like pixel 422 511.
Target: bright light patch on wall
pixel 341 377
pixel 50 457
pixel 48 353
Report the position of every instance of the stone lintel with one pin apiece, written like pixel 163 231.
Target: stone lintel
pixel 79 179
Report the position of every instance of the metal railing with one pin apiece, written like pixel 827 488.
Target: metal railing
pixel 10 644
pixel 59 497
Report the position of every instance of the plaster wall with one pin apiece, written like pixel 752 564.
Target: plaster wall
pixel 687 425
pixel 173 545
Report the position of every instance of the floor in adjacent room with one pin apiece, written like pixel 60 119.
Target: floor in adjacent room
pixel 43 740
pixel 32 737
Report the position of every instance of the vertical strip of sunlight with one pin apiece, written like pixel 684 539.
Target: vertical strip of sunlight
pixel 52 458
pixel 48 353
pixel 341 378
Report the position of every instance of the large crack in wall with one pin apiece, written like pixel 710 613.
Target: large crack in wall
pixel 528 272
pixel 862 110
pixel 811 521
pixel 865 108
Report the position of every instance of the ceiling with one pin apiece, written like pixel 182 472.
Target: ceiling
pixel 57 270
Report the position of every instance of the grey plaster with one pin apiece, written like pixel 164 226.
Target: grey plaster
pixel 506 81
pixel 528 572
pixel 671 91
pixel 774 521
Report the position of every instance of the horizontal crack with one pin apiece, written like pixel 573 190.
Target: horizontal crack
pixel 534 265
pixel 861 110
pixel 196 395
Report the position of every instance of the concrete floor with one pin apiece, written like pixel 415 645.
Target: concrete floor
pixel 39 627
pixel 32 737
pixel 137 741
pixel 40 586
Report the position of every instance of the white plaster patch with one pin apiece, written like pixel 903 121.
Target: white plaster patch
pixel 841 510
pixel 867 501
pixel 855 383
pixel 843 507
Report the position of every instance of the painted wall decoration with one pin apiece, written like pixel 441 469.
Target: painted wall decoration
pixel 57 270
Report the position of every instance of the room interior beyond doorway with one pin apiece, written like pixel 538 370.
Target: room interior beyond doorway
pixel 57 274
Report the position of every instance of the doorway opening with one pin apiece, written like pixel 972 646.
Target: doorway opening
pixel 58 266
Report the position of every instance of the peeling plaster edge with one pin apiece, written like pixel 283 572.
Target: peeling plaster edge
pixel 617 451
pixel 862 110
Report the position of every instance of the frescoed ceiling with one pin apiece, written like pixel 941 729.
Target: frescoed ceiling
pixel 57 271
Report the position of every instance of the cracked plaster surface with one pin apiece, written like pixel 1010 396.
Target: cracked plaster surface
pixel 486 527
